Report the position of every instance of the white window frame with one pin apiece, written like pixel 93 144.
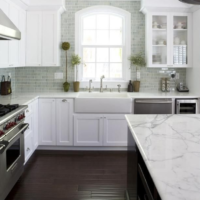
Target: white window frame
pixel 126 16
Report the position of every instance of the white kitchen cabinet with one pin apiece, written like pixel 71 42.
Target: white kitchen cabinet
pixel 22 42
pixel 88 130
pixel 115 130
pixel 4 47
pixel 100 130
pixel 162 50
pixel 33 51
pixel 43 38
pixel 35 124
pixel 64 122
pixel 31 134
pixel 50 39
pixel 47 122
pixel 28 146
pixel 14 44
pixel 13 51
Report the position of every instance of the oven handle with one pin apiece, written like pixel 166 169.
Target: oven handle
pixel 22 130
pixel 2 146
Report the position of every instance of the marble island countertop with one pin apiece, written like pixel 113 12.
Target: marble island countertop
pixel 170 147
pixel 26 98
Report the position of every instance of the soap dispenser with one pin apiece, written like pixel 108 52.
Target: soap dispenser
pixel 130 87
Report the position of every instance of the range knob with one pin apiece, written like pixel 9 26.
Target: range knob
pixel 1 133
pixel 5 128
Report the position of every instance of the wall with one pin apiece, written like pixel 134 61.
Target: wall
pixel 42 79
pixel 193 78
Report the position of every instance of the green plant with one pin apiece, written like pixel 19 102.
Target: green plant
pixel 138 60
pixel 65 46
pixel 76 60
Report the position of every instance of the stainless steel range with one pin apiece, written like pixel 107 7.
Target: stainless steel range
pixel 12 127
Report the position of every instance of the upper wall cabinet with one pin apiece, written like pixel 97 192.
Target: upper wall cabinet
pixel 13 51
pixel 169 40
pixel 43 38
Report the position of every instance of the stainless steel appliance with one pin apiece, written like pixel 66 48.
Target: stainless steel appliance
pixel 153 106
pixel 12 127
pixel 187 106
pixel 195 2
pixel 8 30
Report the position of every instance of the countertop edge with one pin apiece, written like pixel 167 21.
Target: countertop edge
pixel 143 156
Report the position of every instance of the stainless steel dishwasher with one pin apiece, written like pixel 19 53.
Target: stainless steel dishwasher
pixel 153 106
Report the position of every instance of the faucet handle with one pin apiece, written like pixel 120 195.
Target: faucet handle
pixel 119 86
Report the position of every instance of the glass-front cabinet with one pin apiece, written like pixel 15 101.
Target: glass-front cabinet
pixel 168 40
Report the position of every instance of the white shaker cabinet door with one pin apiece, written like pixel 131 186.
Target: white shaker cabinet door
pixel 14 44
pixel 115 130
pixel 50 43
pixel 47 128
pixel 33 46
pixel 4 47
pixel 88 130
pixel 22 42
pixel 64 122
pixel 35 124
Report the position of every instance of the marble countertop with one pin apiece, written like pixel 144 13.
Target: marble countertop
pixel 170 147
pixel 26 98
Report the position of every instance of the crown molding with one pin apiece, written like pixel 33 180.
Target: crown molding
pixel 36 5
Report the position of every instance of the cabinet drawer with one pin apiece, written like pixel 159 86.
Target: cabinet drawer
pixel 28 147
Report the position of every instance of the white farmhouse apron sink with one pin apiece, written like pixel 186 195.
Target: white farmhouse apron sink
pixel 103 103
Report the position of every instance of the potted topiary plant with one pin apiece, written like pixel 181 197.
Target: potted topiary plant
pixel 137 60
pixel 66 47
pixel 75 61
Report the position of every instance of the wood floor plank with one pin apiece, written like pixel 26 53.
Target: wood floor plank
pixel 60 175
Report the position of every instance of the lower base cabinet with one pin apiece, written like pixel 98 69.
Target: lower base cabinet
pixel 88 130
pixel 28 146
pixel 31 134
pixel 115 130
pixel 56 122
pixel 100 130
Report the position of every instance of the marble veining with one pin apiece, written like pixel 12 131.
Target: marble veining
pixel 170 147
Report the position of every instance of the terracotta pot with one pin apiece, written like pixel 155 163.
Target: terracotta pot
pixel 76 86
pixel 66 86
pixel 136 85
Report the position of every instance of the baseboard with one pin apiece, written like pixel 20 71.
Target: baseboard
pixel 82 148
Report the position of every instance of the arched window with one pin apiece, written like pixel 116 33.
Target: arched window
pixel 103 40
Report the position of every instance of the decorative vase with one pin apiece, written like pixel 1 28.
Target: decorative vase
pixel 66 86
pixel 76 86
pixel 136 86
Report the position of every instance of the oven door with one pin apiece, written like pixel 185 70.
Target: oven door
pixel 12 158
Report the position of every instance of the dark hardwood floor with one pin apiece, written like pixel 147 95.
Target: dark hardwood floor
pixel 73 176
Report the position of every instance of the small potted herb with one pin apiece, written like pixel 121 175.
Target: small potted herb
pixel 75 61
pixel 137 60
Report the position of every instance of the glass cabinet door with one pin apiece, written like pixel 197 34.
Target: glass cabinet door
pixel 180 41
pixel 159 40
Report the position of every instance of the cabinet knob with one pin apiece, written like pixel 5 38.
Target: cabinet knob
pixel 27 149
pixel 64 100
pixel 27 111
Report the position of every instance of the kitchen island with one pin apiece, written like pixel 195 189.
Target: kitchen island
pixel 168 149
